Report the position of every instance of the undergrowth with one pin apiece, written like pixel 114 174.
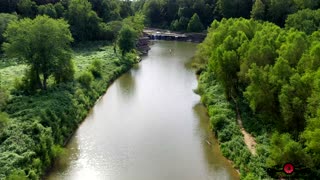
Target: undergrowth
pixel 224 124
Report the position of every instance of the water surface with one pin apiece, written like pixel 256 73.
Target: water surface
pixel 148 126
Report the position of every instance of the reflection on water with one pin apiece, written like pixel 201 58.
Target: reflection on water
pixel 148 126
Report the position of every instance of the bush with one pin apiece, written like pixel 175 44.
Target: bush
pixel 3 98
pixel 4 119
pixel 109 31
pixel 96 68
pixel 86 79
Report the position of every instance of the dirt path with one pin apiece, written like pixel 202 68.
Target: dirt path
pixel 248 138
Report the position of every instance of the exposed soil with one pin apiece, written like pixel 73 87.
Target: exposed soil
pixel 248 138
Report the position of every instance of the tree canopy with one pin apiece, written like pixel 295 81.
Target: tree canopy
pixel 84 22
pixel 127 39
pixel 44 44
pixel 276 70
pixel 195 24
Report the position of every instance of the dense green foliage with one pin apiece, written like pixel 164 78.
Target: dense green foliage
pixel 43 44
pixel 83 20
pixel 305 20
pixel 273 71
pixel 127 38
pixel 41 123
pixel 176 14
pixel 5 19
pixel 195 24
pixel 46 89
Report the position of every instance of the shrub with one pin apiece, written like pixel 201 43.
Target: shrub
pixel 3 98
pixel 86 79
pixel 3 120
pixel 96 68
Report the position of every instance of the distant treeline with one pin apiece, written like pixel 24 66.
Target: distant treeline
pixel 89 20
pixel 176 14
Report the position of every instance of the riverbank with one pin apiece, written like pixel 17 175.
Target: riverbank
pixel 223 121
pixel 41 123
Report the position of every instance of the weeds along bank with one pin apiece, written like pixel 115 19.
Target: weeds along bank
pixel 224 124
pixel 273 75
pixel 40 123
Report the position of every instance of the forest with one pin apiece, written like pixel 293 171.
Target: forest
pixel 271 73
pixel 263 57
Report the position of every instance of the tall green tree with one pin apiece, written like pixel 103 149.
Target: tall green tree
pixel 152 11
pixel 307 4
pixel 83 20
pixel 258 10
pixel 279 10
pixel 126 9
pixel 27 8
pixel 195 24
pixel 108 10
pixel 126 40
pixel 5 19
pixel 284 149
pixel 48 9
pixel 305 20
pixel 42 43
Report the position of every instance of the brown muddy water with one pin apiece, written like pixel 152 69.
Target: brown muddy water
pixel 148 126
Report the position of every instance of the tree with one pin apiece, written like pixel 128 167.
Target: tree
pixel 126 40
pixel 59 9
pixel 231 8
pixel 47 9
pixel 44 44
pixel 108 10
pixel 305 20
pixel 307 4
pixel 284 149
pixel 126 9
pixel 83 20
pixel 151 10
pixel 27 8
pixel 5 19
pixel 3 120
pixel 258 10
pixel 312 138
pixel 279 10
pixel 195 24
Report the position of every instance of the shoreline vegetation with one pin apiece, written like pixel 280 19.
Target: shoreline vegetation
pixel 47 87
pixel 269 76
pixel 41 124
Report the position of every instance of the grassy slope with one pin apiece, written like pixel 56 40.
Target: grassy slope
pixel 41 123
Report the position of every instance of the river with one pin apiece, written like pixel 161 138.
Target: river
pixel 148 126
